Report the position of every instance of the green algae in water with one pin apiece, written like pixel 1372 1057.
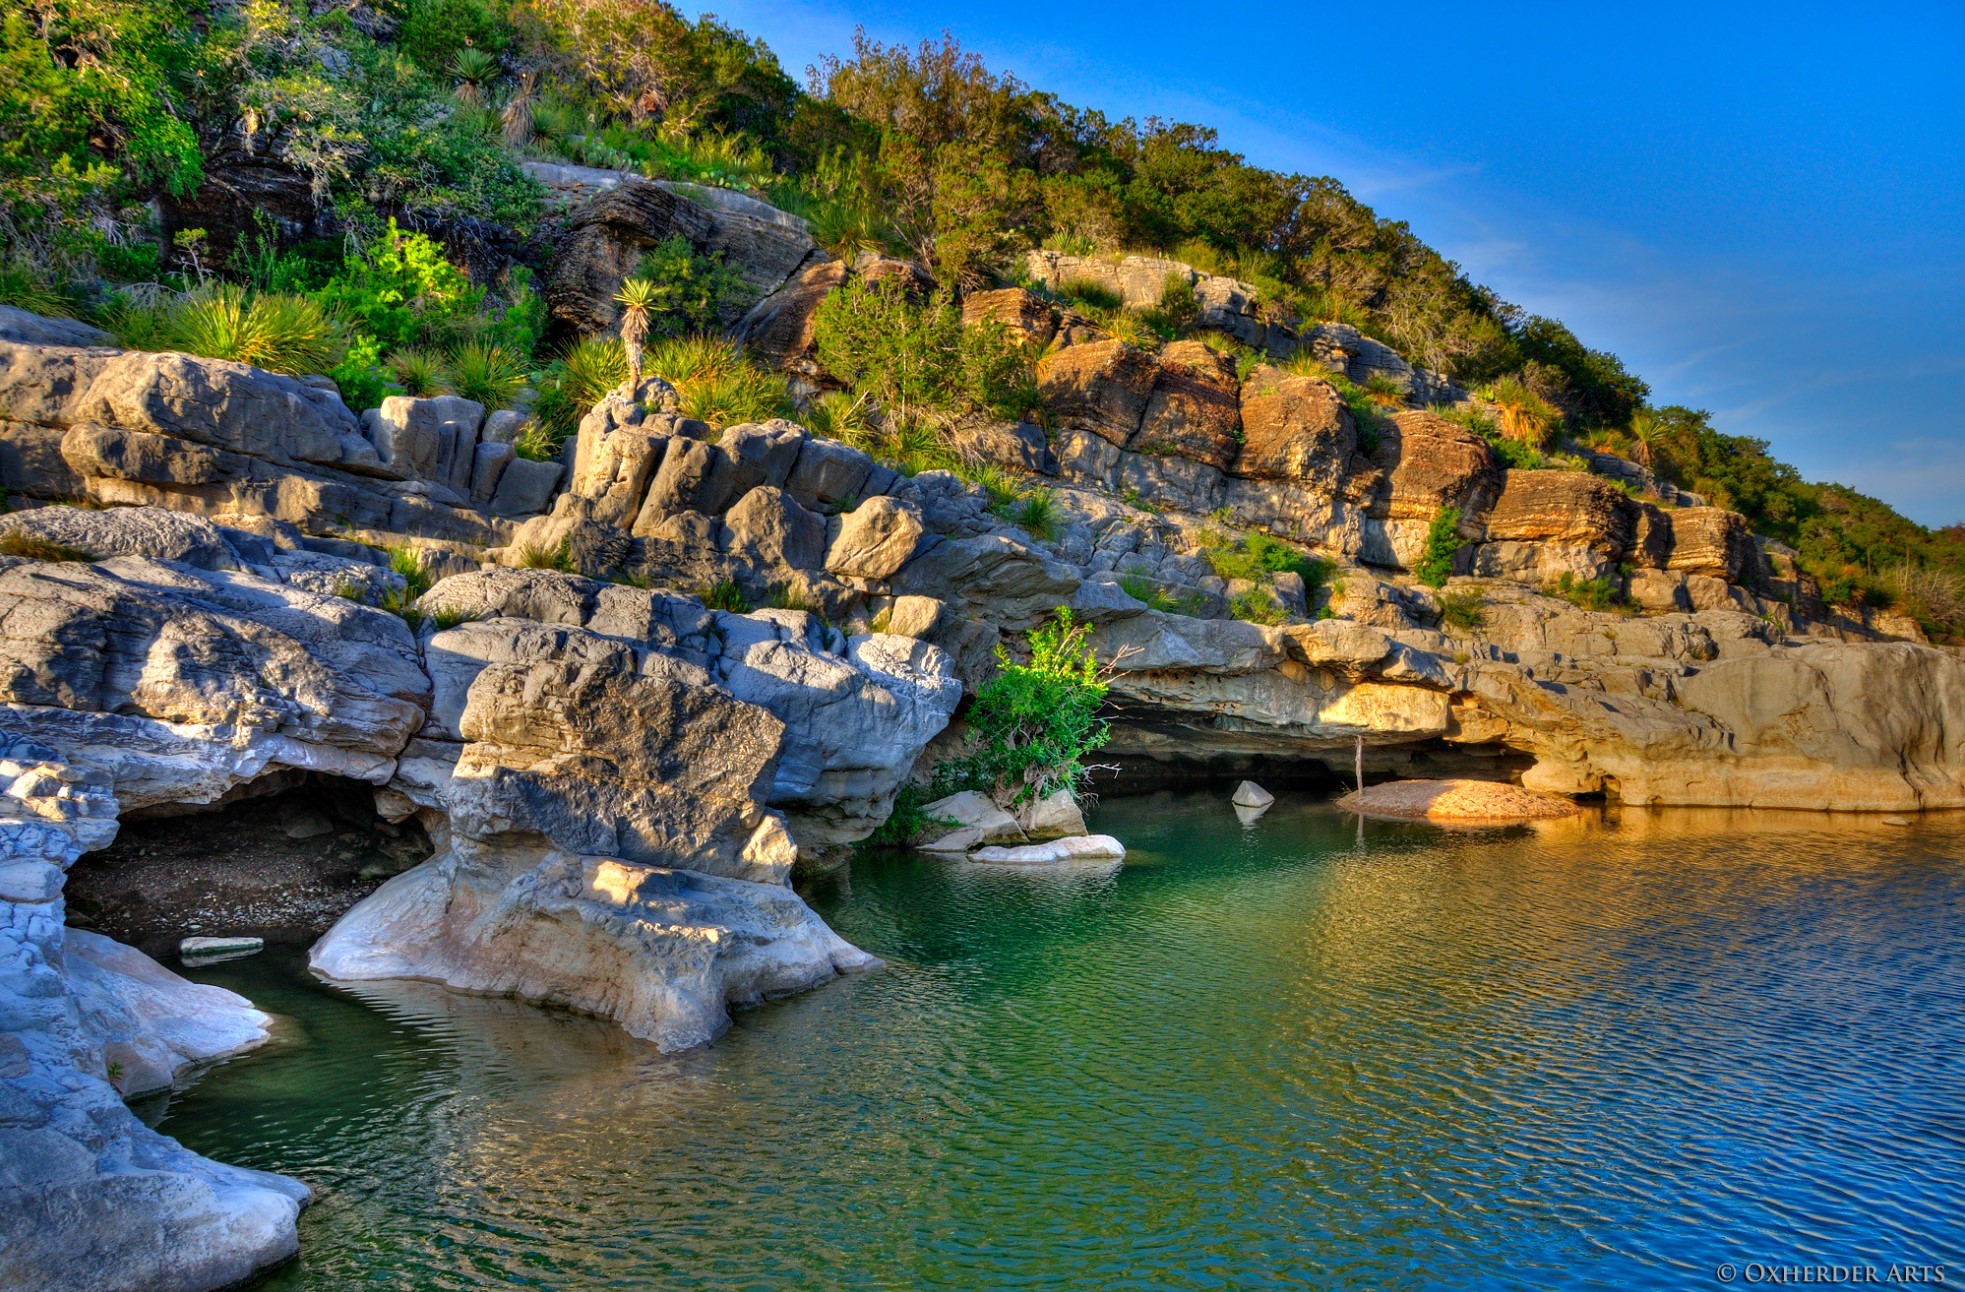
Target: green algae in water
pixel 1294 1053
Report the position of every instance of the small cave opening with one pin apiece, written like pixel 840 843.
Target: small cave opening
pixel 1193 765
pixel 280 857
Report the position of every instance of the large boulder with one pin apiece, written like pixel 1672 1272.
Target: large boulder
pixel 433 439
pixel 1566 508
pixel 664 952
pixel 646 761
pixel 179 683
pixel 1430 463
pixel 1026 316
pixel 1102 387
pixel 1294 428
pixel 778 329
pixel 875 540
pixel 1193 412
pixel 606 237
pixel 1713 541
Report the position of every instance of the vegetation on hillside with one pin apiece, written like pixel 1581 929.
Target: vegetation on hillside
pixel 386 141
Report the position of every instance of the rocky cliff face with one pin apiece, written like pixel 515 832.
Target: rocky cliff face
pixel 620 780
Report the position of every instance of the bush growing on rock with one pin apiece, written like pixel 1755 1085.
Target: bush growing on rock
pixel 1034 724
pixel 916 360
pixel 1443 543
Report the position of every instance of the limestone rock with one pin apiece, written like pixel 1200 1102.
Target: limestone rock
pixel 1193 413
pixel 1054 816
pixel 778 329
pixel 1431 463
pixel 664 952
pixel 118 454
pixel 606 236
pixel 525 487
pixel 1026 316
pixel 1250 795
pixel 875 540
pixel 149 1022
pixel 1713 541
pixel 1294 428
pixel 1564 507
pixel 1077 850
pixel 1102 387
pixel 33 329
pixel 179 683
pixel 1455 800
pixel 650 763
pixel 128 531
pixel 694 476
pixel 433 439
pixel 769 529
pixel 974 819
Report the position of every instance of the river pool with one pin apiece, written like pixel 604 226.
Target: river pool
pixel 1296 1053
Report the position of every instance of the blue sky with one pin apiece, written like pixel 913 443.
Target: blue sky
pixel 1761 208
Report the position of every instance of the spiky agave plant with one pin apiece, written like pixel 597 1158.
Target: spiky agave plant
pixel 635 296
pixel 474 70
pixel 1647 433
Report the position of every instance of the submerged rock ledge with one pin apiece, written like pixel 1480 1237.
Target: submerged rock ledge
pixel 1456 800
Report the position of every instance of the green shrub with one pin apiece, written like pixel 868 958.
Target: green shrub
pixel 915 358
pixel 1090 296
pixel 419 372
pixel 1257 606
pixel 359 375
pixel 716 382
pixel 280 333
pixel 1146 591
pixel 1037 514
pixel 724 594
pixel 405 292
pixel 1465 609
pixel 692 293
pixel 537 556
pixel 1257 556
pixel 487 374
pixel 907 823
pixel 1590 594
pixel 1443 543
pixel 1035 724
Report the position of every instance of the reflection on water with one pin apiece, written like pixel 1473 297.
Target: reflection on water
pixel 1285 1052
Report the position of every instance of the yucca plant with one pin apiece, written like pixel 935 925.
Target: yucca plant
pixel 1647 433
pixel 418 372
pixel 635 297
pixel 1525 416
pixel 592 367
pixel 474 70
pixel 745 393
pixel 280 333
pixel 489 374
pixel 515 118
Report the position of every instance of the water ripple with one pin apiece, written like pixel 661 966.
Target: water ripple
pixel 1598 1054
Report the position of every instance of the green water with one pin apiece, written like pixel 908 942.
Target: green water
pixel 1293 1054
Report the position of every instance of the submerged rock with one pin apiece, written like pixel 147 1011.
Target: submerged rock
pixel 1078 848
pixel 1455 800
